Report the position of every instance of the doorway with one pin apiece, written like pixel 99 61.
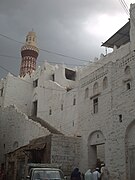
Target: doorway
pixel 96 149
pixel 130 151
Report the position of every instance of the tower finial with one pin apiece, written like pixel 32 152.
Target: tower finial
pixel 29 54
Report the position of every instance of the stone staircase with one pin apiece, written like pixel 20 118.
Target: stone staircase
pixel 45 124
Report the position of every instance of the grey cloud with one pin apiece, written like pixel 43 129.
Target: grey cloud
pixel 58 24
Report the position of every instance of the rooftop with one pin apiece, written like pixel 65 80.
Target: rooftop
pixel 121 37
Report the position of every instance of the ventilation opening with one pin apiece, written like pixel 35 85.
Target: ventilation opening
pixel 53 77
pixel 35 83
pixel 70 74
pixel 128 86
pixel 35 103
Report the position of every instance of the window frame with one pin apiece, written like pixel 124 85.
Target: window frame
pixel 95 105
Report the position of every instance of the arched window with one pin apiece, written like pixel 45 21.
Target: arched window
pixel 127 70
pixel 105 83
pixel 16 144
pixel 128 85
pixel 95 88
pixel 87 92
pixel 127 80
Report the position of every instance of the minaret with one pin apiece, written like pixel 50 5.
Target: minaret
pixel 29 53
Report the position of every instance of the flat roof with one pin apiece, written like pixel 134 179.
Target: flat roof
pixel 121 37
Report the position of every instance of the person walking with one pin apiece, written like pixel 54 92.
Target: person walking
pixel 88 175
pixel 104 173
pixel 76 175
pixel 96 174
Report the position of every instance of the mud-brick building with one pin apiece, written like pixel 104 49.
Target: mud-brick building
pixel 54 149
pixel 95 102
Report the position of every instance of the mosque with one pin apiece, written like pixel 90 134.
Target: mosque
pixel 94 103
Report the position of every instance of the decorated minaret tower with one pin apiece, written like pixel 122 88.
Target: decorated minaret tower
pixel 29 53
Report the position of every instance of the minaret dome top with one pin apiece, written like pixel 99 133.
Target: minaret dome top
pixel 31 38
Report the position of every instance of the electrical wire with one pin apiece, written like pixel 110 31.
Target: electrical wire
pixel 51 62
pixel 94 64
pixel 80 102
pixel 124 6
pixel 43 87
pixel 48 51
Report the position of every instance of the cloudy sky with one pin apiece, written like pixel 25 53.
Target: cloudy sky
pixel 74 28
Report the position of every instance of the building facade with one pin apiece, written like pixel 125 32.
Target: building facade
pixel 95 103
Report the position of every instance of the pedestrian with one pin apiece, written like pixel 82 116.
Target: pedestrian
pixel 76 175
pixel 96 174
pixel 102 167
pixel 89 175
pixel 98 164
pixel 104 173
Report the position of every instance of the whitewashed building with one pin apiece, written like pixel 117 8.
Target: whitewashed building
pixel 95 102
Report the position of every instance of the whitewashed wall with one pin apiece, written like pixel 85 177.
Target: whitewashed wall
pixel 17 130
pixel 18 92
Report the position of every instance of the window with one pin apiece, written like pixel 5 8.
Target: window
pixel 95 105
pixel 120 118
pixel 105 83
pixel 53 77
pixel 50 111
pixel 1 94
pixel 70 74
pixel 35 83
pixel 16 144
pixel 127 70
pixel 61 107
pixel 74 101
pixel 73 124
pixel 128 85
pixel 86 93
pixel 35 104
pixel 127 78
pixel 95 88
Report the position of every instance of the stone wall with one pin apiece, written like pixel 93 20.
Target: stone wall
pixel 65 151
pixel 17 130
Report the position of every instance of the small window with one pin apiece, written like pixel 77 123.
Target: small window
pixel 128 86
pixel 35 106
pixel 1 94
pixel 73 124
pixel 61 107
pixel 74 101
pixel 120 118
pixel 95 105
pixel 86 93
pixel 16 144
pixel 95 88
pixel 50 111
pixel 127 70
pixel 105 83
pixel 35 83
pixel 53 77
